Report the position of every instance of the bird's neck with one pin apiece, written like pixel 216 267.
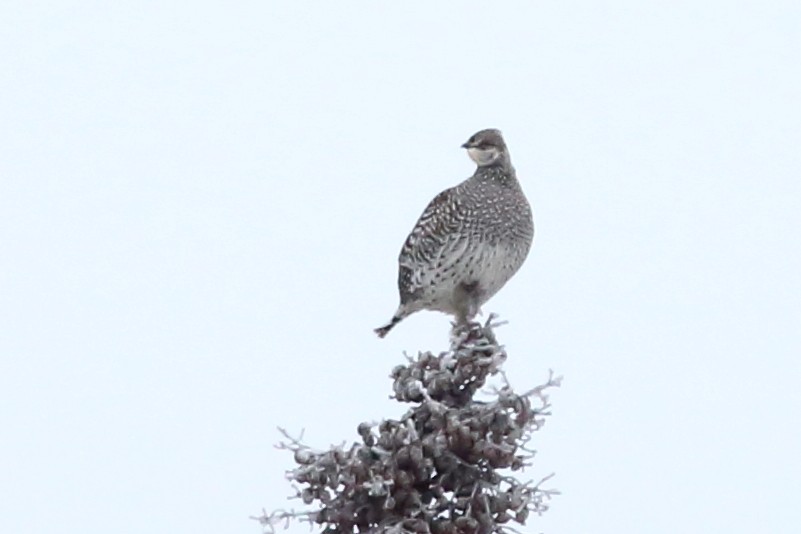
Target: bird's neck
pixel 500 171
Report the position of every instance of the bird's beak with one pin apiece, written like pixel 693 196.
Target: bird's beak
pixel 466 145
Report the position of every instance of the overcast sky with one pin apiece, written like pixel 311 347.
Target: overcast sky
pixel 201 207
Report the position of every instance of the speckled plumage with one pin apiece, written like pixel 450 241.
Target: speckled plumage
pixel 469 241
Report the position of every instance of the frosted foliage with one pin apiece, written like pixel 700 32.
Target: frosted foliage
pixel 449 465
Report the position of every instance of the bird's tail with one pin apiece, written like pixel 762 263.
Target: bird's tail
pixel 384 330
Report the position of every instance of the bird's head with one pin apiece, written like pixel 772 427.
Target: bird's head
pixel 486 147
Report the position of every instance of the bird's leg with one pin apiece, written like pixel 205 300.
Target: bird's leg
pixel 466 303
pixel 466 300
pixel 461 321
pixel 473 310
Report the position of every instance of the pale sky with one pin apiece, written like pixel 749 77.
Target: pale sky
pixel 202 205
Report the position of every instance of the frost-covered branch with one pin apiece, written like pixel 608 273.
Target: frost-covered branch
pixel 445 467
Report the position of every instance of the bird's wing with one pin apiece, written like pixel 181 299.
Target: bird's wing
pixel 434 243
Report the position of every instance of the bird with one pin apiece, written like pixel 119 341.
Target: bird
pixel 469 241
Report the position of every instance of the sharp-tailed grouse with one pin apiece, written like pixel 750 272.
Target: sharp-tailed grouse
pixel 469 241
